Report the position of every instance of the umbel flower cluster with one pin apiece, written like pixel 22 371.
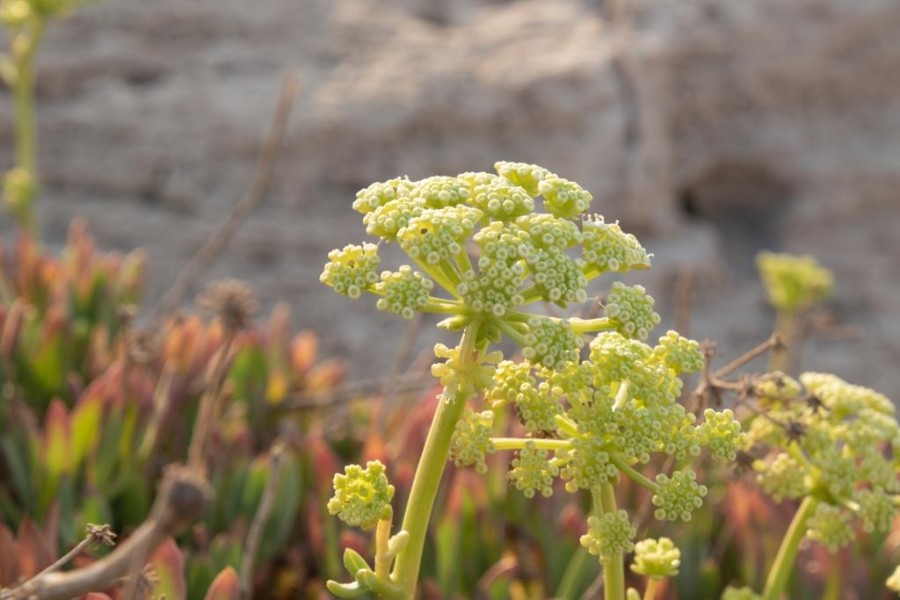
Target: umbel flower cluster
pixel 831 442
pixel 483 247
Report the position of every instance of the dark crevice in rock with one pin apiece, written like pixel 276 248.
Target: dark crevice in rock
pixel 746 203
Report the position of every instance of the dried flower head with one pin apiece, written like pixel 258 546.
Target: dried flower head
pixel 233 302
pixel 101 534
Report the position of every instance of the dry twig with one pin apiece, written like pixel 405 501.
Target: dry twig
pixel 223 234
pixel 183 497
pixel 254 535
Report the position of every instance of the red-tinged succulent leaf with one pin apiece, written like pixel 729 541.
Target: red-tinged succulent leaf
pixel 34 550
pixel 168 562
pixel 12 327
pixel 181 335
pixel 51 524
pixel 9 564
pixel 374 447
pixel 277 331
pixel 56 448
pixel 323 460
pixel 355 540
pixel 319 526
pixel 225 586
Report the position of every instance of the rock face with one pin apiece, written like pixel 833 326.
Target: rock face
pixel 712 129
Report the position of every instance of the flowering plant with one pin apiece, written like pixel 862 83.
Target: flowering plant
pixel 483 247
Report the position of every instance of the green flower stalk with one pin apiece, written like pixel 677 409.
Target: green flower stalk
pixel 25 21
pixel 485 248
pixel 794 285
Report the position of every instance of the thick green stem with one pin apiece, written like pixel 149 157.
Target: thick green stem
pixel 591 325
pixel 633 474
pixel 787 554
pixel 614 565
pixel 785 325
pixel 430 470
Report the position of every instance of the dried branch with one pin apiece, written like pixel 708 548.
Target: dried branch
pixel 209 404
pixel 183 498
pixel 210 250
pixel 325 398
pixel 774 342
pixel 96 534
pixel 254 535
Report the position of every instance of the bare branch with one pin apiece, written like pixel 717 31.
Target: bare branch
pixel 254 535
pixel 183 497
pixel 220 238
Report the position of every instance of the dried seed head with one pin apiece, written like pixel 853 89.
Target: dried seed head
pixel 233 302
pixel 815 403
pixel 141 346
pixel 101 534
pixel 743 462
pixel 795 430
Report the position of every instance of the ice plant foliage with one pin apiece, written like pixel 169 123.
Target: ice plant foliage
pixel 484 249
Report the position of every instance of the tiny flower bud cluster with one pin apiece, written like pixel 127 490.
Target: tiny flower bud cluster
pixel 831 526
pixel 828 439
pixel 362 497
pixel 607 249
pixel 471 440
pixel 631 310
pixel 656 559
pixel 524 251
pixel 352 270
pixel 550 343
pixel 531 471
pixel 678 496
pixel 609 534
pixel 403 292
pixel 681 354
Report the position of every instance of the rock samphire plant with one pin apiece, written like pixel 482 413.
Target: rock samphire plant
pixel 488 251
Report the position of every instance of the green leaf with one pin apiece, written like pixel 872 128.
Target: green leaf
pixel 20 468
pixel 56 453
pixel 346 590
pixel 85 426
pixel 132 502
pixel 354 562
pixel 284 513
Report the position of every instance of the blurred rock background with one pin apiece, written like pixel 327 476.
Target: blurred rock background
pixel 711 129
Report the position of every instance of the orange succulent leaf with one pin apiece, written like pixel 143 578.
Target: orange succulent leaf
pixel 225 586
pixel 35 552
pixel 304 349
pixel 168 563
pixel 9 563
